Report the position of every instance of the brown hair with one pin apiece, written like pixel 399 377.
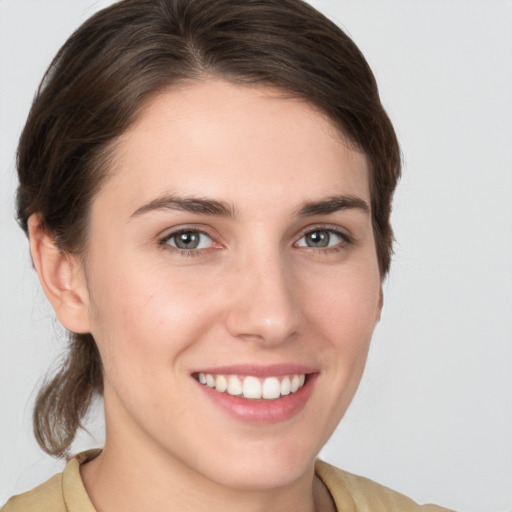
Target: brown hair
pixel 127 53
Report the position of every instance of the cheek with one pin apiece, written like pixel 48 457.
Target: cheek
pixel 146 315
pixel 342 313
pixel 346 304
pixel 345 314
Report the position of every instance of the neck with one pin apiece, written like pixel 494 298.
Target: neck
pixel 124 480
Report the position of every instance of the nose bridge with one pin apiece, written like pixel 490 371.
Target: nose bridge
pixel 265 303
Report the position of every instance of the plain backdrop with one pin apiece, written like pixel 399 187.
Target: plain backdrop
pixel 433 416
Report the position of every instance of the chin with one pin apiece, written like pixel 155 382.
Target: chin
pixel 264 467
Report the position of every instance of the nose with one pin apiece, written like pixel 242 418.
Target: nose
pixel 264 306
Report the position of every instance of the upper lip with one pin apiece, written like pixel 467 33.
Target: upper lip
pixel 257 370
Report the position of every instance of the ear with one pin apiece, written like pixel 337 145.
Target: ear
pixel 62 277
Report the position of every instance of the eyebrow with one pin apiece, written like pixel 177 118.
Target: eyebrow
pixel 333 204
pixel 187 204
pixel 214 207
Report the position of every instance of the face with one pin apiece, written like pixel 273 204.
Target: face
pixel 233 283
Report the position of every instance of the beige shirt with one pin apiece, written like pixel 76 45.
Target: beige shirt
pixel 65 492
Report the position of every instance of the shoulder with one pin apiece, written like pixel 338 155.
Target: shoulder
pixel 358 494
pixel 46 497
pixel 62 493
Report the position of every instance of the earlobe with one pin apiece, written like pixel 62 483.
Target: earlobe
pixel 62 278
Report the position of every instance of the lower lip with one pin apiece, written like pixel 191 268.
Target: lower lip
pixel 262 412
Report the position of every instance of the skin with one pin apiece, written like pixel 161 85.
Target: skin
pixel 255 293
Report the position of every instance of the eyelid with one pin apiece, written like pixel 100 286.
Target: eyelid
pixel 163 239
pixel 325 227
pixel 337 230
pixel 177 231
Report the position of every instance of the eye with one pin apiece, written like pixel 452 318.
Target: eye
pixel 188 240
pixel 321 239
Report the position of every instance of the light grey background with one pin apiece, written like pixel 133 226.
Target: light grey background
pixel 433 417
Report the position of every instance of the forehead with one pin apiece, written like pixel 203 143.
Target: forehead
pixel 215 138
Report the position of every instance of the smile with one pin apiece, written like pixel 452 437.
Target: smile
pixel 251 387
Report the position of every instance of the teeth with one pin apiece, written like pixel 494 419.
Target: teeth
pixel 234 385
pixel 221 384
pixel 286 386
pixel 295 384
pixel 253 387
pixel 271 388
pixel 210 381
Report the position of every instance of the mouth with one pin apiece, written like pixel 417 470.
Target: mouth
pixel 252 387
pixel 258 395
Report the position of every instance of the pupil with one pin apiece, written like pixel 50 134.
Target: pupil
pixel 187 240
pixel 318 239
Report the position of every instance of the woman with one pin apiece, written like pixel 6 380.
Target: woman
pixel 206 187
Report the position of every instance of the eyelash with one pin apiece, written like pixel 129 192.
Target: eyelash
pixel 345 241
pixel 183 252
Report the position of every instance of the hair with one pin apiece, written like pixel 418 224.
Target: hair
pixel 129 52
